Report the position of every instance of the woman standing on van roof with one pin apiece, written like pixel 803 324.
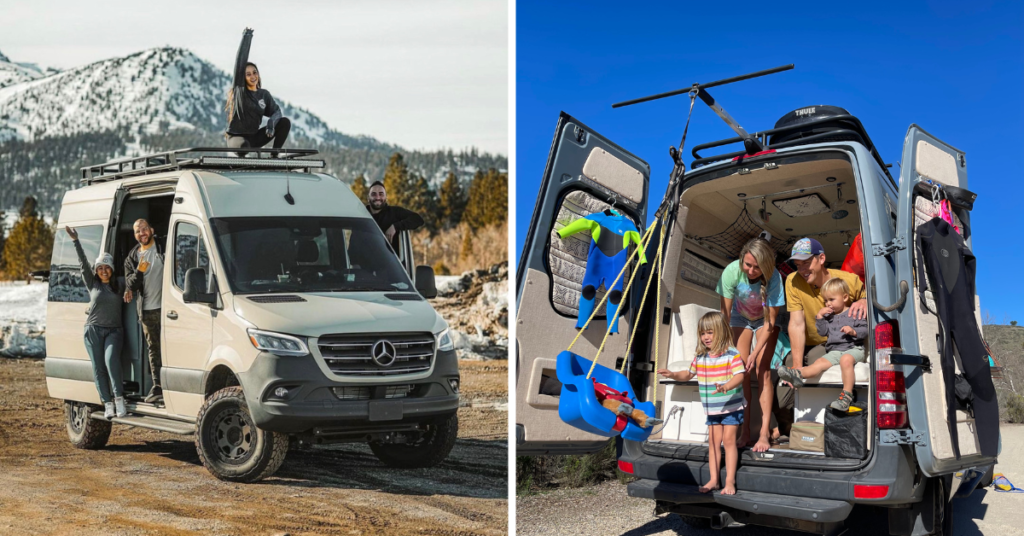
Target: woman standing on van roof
pixel 104 335
pixel 752 293
pixel 248 103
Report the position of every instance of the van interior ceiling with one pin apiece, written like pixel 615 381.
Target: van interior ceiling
pixel 811 195
pixel 156 209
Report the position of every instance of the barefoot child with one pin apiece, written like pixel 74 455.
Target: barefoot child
pixel 845 343
pixel 719 371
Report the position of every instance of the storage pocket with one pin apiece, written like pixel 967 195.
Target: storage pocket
pixel 846 434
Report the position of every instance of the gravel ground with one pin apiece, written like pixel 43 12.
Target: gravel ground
pixel 606 509
pixel 147 482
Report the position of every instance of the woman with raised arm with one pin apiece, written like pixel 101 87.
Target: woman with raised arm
pixel 248 103
pixel 104 334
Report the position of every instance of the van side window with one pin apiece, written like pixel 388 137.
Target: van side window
pixel 66 283
pixel 189 252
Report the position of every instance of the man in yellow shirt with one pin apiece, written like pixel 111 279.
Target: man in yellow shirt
pixel 803 295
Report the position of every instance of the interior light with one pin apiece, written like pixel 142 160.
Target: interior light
pixel 831 179
pixel 741 195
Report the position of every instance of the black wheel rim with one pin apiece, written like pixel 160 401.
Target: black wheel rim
pixel 79 414
pixel 233 436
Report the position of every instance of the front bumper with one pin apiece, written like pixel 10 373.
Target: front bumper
pixel 310 402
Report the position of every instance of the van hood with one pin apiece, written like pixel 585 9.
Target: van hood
pixel 337 312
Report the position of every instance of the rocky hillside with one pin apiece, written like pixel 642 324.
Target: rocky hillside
pixel 475 304
pixel 52 123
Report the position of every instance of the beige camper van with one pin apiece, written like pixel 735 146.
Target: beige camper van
pixel 287 318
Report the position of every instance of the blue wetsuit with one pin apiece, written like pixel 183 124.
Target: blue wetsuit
pixel 611 235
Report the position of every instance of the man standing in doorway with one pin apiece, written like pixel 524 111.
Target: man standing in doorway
pixel 143 274
pixel 390 219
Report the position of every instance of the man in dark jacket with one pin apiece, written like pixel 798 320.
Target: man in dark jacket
pixel 143 275
pixel 390 219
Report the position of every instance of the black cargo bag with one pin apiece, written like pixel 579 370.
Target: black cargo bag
pixel 846 434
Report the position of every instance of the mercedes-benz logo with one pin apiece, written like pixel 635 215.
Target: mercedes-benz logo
pixel 384 353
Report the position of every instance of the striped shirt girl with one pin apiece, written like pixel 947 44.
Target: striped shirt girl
pixel 712 370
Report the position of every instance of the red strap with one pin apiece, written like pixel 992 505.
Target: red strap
pixel 620 423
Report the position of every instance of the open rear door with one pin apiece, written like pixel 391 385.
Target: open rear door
pixel 585 173
pixel 928 158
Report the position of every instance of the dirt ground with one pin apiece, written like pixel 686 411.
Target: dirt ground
pixel 150 482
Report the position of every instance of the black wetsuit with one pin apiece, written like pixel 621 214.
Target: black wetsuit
pixel 950 267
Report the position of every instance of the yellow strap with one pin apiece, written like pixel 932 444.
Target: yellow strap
pixel 625 292
pixel 643 300
pixel 657 311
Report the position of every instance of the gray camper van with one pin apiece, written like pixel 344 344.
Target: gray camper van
pixel 287 318
pixel 821 176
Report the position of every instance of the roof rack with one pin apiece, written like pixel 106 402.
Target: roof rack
pixel 860 135
pixel 201 158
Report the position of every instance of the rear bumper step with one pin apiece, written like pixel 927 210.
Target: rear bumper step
pixel 154 423
pixel 767 504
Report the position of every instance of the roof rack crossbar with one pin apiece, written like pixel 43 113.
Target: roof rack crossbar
pixel 864 139
pixel 192 158
pixel 790 143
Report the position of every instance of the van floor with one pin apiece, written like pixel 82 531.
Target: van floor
pixel 150 482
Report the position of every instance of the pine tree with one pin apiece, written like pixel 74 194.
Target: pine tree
pixel 422 200
pixel 29 246
pixel 452 202
pixel 396 180
pixel 488 199
pixel 360 188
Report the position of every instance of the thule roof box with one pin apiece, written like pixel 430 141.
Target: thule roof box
pixel 202 158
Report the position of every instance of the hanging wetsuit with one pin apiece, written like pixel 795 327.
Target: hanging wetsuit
pixel 611 235
pixel 951 268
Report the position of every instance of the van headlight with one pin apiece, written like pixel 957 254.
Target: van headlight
pixel 277 343
pixel 444 342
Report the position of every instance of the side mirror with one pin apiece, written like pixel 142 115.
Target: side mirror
pixel 425 282
pixel 196 288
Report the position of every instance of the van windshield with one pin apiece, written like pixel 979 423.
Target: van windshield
pixel 307 254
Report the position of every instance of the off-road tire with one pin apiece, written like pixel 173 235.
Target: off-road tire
pixel 430 450
pixel 84 431
pixel 230 445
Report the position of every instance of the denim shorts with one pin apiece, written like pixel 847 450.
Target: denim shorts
pixel 736 320
pixel 732 419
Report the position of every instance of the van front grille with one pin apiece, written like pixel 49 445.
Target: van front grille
pixel 398 353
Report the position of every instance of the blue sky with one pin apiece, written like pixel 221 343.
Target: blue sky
pixel 954 68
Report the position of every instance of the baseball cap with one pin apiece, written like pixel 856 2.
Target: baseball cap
pixel 106 259
pixel 805 248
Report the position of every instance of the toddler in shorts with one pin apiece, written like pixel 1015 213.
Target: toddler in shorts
pixel 844 344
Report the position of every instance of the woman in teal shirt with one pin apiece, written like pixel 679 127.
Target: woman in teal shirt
pixel 752 293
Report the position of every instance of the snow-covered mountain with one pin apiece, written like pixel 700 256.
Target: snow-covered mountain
pixel 15 73
pixel 147 92
pixel 54 122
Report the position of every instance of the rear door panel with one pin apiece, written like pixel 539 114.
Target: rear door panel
pixel 928 158
pixel 584 174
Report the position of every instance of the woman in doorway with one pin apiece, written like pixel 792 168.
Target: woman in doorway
pixel 752 293
pixel 104 335
pixel 248 103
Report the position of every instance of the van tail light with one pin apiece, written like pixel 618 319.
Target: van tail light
pixel 866 491
pixel 626 467
pixel 890 385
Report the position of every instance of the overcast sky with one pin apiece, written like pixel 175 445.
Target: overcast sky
pixel 424 75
